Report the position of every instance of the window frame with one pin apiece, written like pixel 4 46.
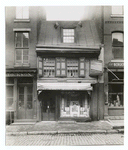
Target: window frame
pixel 62 35
pixel 117 15
pixel 117 48
pixel 22 49
pixel 10 85
pixel 71 60
pixel 22 9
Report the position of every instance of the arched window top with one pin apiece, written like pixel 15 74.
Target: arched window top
pixel 117 39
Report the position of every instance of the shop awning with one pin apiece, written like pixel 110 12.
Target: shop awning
pixel 64 86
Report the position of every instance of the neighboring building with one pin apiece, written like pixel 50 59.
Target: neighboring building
pixel 114 62
pixel 21 67
pixel 55 69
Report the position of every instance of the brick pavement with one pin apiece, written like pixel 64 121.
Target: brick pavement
pixel 65 140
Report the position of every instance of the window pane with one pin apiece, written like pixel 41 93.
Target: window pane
pixel 21 90
pixel 25 12
pixel 9 102
pixel 117 39
pixel 18 39
pixel 9 80
pixel 29 90
pixel 18 12
pixel 25 39
pixel 9 91
pixel 117 10
pixel 81 65
pixel 21 101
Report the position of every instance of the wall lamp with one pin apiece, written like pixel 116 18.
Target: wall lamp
pixel 80 24
pixel 56 25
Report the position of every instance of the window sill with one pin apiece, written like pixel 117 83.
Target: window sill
pixel 118 108
pixel 117 16
pixel 22 20
pixel 22 65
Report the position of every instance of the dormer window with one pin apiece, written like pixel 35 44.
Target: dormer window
pixel 68 35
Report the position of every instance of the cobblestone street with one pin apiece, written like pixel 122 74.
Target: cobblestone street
pixel 65 140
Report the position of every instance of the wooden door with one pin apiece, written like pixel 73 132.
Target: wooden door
pixel 25 102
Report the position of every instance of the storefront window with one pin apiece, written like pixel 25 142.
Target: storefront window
pixel 115 90
pixel 74 104
pixel 9 93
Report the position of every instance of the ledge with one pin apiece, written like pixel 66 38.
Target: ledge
pixel 116 108
pixel 22 20
pixel 117 16
pixel 21 29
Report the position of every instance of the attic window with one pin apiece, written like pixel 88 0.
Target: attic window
pixel 68 35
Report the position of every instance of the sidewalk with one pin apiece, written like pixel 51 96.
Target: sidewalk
pixel 52 127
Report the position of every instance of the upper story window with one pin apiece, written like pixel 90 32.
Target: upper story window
pixel 61 67
pixel 117 39
pixel 117 44
pixel 72 68
pixel 22 12
pixel 68 35
pixel 21 47
pixel 49 67
pixel 117 10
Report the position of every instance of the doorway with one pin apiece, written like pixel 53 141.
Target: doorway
pixel 25 103
pixel 48 107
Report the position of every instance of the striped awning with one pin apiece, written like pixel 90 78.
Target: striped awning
pixel 64 86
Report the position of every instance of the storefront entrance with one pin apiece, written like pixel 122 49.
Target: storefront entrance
pixel 25 103
pixel 48 106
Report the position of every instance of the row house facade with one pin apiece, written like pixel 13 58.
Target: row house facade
pixel 114 62
pixel 55 69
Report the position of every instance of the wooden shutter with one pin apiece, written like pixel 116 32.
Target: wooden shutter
pixel 40 66
pixel 63 67
pixel 82 67
pixel 58 67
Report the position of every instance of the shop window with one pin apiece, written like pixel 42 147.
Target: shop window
pixel 60 67
pixel 117 10
pixel 9 93
pixel 72 68
pixel 21 48
pixel 48 67
pixel 68 35
pixel 115 90
pixel 117 45
pixel 22 12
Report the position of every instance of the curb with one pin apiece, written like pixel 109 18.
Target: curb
pixel 65 132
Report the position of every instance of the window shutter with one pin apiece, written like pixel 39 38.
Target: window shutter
pixel 40 66
pixel 58 67
pixel 82 67
pixel 63 67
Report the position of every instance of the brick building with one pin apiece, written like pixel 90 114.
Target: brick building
pixel 114 61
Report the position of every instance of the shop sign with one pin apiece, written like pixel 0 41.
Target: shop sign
pixel 115 65
pixel 95 68
pixel 19 75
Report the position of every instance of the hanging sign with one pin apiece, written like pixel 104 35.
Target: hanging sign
pixel 116 65
pixel 96 68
